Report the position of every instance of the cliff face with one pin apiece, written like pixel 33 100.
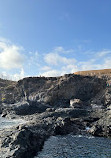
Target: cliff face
pixel 53 91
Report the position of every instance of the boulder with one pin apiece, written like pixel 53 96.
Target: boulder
pixel 76 103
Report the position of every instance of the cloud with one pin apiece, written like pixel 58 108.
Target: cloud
pixel 58 63
pixel 10 56
pixel 55 59
pixel 103 53
pixel 100 60
pixel 59 72
pixel 107 63
pixel 33 59
pixel 14 65
pixel 60 49
pixel 69 68
pixel 46 68
pixel 14 77
pixel 63 70
pixel 51 73
pixel 89 66
pixel 19 76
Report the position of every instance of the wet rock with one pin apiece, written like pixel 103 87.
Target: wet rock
pixel 102 127
pixel 23 108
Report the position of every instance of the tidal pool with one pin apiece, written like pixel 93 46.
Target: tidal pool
pixel 7 123
pixel 71 146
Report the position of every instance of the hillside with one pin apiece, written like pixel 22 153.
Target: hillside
pixel 94 72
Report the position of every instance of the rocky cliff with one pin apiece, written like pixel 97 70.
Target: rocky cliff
pixel 51 106
pixel 56 91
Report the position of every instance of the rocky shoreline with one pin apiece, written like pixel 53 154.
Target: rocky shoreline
pixel 52 106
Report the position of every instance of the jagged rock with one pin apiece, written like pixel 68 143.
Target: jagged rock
pixel 23 108
pixel 102 127
pixel 24 141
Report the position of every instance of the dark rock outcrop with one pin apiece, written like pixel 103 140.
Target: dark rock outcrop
pixel 24 141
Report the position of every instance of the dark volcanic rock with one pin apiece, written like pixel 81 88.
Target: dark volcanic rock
pixel 24 141
pixel 56 90
pixel 52 106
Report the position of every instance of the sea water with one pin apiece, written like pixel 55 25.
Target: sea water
pixel 7 123
pixel 77 146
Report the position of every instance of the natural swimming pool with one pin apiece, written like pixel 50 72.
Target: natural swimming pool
pixel 71 146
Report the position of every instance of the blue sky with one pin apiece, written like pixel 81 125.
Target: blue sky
pixel 53 37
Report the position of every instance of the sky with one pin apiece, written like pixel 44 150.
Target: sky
pixel 53 37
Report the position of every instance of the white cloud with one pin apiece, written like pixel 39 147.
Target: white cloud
pixel 14 77
pixel 60 64
pixel 60 49
pixel 90 66
pixel 55 59
pixel 55 63
pixel 19 76
pixel 63 70
pixel 33 59
pixel 69 68
pixel 103 53
pixel 51 73
pixel 10 56
pixel 46 68
pixel 107 63
pixel 57 56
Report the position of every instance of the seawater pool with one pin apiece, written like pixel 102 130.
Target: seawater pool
pixel 79 146
pixel 7 123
